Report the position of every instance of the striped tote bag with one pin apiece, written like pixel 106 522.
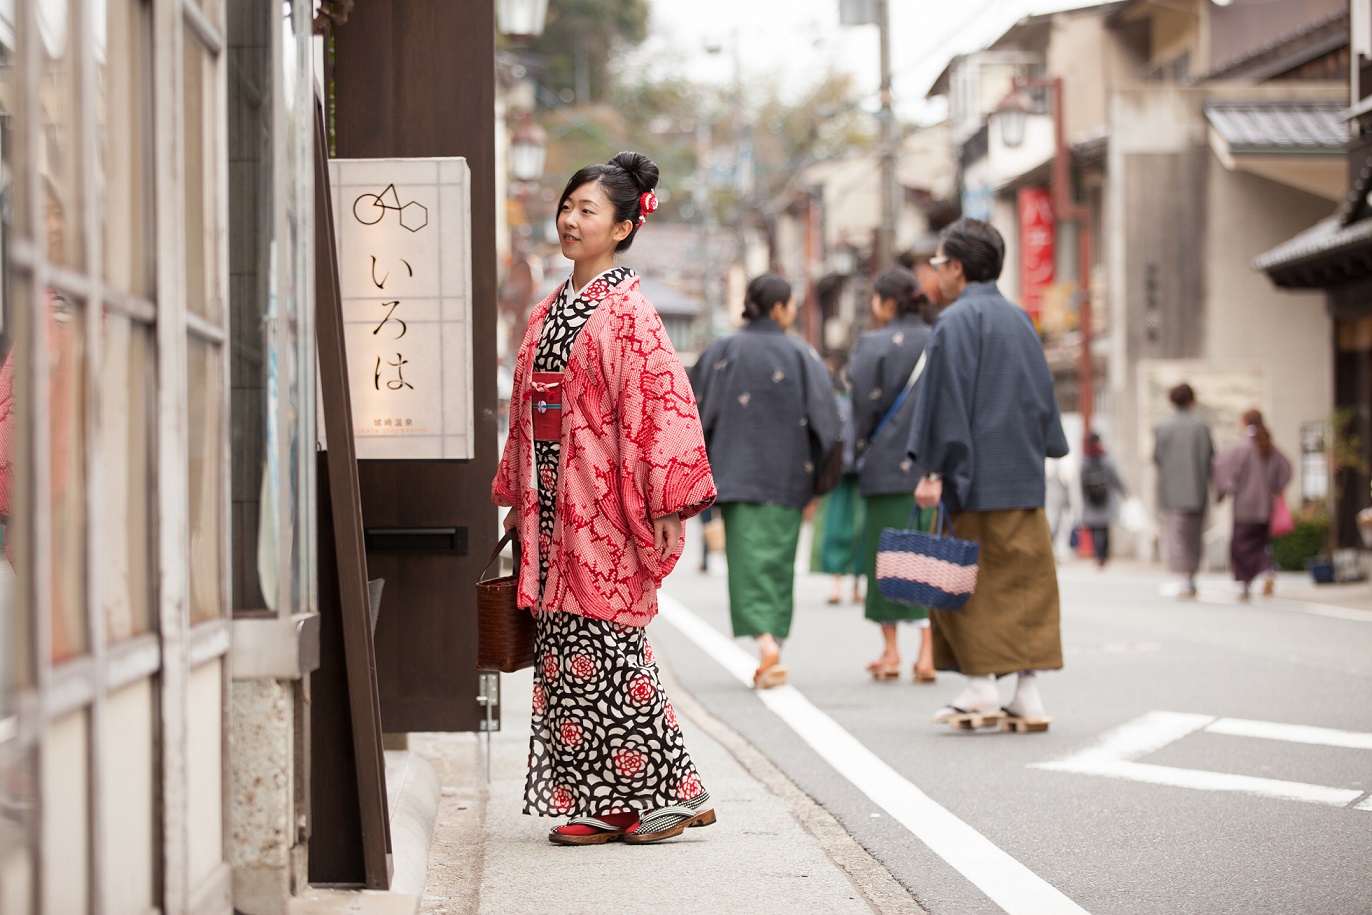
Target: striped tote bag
pixel 934 570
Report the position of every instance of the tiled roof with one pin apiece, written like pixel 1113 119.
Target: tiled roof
pixel 1280 127
pixel 1326 238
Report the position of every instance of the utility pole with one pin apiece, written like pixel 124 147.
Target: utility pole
pixel 886 232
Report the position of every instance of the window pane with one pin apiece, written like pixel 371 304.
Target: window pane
pixel 58 157
pixel 66 494
pixel 127 415
pixel 123 100
pixel 17 805
pixel 297 282
pixel 206 452
pixel 256 503
pixel 202 293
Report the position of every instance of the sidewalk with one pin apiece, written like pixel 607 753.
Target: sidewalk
pixel 772 850
pixel 1291 586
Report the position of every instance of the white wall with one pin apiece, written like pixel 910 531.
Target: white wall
pixel 1247 317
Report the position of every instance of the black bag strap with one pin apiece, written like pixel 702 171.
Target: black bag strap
pixel 510 535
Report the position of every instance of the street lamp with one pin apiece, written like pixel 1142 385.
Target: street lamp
pixel 1012 116
pixel 843 260
pixel 528 150
pixel 521 20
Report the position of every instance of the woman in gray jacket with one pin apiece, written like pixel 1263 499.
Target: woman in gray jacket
pixel 770 418
pixel 883 370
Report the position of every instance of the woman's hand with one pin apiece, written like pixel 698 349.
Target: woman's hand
pixel 667 534
pixel 928 493
pixel 511 519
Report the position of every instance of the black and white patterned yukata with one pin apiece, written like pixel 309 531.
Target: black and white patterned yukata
pixel 604 739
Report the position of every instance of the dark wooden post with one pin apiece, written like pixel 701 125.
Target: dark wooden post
pixel 417 78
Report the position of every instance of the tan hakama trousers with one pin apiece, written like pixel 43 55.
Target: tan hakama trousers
pixel 1011 621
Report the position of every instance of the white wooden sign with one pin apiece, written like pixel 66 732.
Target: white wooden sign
pixel 404 262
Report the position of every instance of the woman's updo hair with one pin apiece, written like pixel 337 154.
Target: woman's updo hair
pixel 900 286
pixel 764 292
pixel 624 179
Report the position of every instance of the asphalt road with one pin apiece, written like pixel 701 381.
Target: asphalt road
pixel 1180 784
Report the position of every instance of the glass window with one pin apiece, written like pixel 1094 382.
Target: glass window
pixel 58 160
pixel 66 495
pixel 127 418
pixel 202 292
pixel 271 304
pixel 123 101
pixel 205 471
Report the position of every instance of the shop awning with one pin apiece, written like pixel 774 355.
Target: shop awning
pixel 1298 142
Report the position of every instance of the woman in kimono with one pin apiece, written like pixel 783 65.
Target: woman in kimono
pixel 985 419
pixel 770 417
pixel 883 372
pixel 836 548
pixel 1254 473
pixel 605 458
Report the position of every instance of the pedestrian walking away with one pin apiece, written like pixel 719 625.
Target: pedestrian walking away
pixel 1254 473
pixel 770 418
pixel 884 368
pixel 604 460
pixel 837 548
pixel 985 420
pixel 1182 452
pixel 1101 491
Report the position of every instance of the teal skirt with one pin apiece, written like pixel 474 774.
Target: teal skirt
pixel 838 523
pixel 890 511
pixel 760 545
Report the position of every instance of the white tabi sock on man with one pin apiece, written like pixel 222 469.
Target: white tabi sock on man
pixel 1027 702
pixel 980 694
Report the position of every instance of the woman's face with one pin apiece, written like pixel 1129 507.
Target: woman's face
pixel 586 224
pixel 883 310
pixel 784 313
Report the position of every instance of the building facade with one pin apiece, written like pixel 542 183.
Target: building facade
pixel 156 454
pixel 1196 136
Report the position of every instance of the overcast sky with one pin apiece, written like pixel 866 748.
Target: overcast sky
pixel 798 41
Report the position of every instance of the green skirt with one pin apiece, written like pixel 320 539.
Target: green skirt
pixel 837 545
pixel 760 546
pixel 890 511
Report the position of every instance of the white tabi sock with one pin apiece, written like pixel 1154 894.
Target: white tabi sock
pixel 1027 702
pixel 980 694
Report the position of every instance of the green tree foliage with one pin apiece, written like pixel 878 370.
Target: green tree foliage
pixel 580 40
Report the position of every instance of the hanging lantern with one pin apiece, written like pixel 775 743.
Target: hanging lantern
pixel 528 150
pixel 521 20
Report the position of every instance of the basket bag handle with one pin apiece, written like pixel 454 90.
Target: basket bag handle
pixel 510 535
pixel 941 526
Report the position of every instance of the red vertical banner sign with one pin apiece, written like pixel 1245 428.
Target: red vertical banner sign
pixel 1036 236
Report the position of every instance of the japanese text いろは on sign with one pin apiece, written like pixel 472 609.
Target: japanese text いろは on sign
pixel 404 261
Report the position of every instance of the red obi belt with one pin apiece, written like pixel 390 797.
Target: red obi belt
pixel 546 398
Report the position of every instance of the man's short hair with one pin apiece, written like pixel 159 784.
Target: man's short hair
pixel 977 245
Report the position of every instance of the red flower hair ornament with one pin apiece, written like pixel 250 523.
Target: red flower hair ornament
pixel 647 204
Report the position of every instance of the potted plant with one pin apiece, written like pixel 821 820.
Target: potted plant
pixel 1343 452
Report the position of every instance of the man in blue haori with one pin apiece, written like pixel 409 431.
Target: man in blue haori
pixel 985 419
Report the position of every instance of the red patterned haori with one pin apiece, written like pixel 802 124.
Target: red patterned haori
pixel 632 450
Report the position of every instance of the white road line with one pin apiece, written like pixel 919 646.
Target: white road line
pixel 1114 756
pixel 1011 885
pixel 1202 780
pixel 1291 733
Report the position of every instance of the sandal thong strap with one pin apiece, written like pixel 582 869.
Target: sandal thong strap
pixel 594 823
pixel 667 817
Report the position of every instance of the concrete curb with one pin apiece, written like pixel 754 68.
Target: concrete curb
pixel 413 792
